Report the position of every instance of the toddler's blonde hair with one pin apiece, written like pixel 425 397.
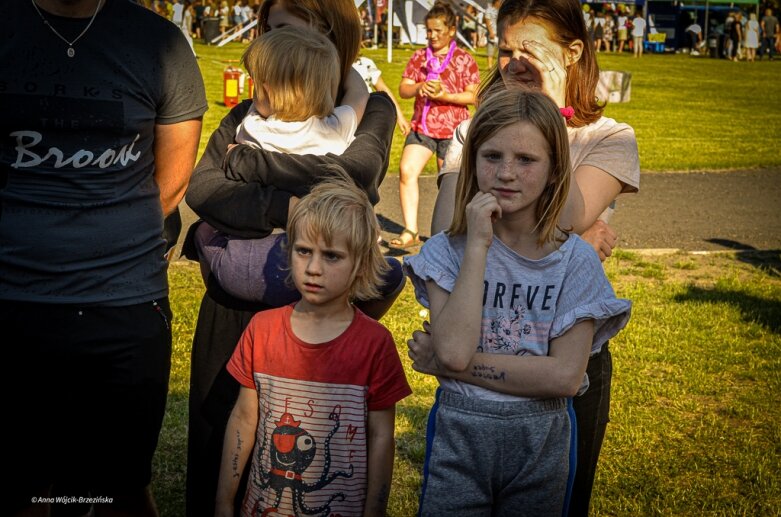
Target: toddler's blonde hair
pixel 300 68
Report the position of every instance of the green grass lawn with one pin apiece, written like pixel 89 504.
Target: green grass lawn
pixel 689 113
pixel 694 421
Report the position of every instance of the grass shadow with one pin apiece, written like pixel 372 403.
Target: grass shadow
pixel 766 312
pixel 767 261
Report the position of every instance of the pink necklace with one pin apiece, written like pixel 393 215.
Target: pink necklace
pixel 434 68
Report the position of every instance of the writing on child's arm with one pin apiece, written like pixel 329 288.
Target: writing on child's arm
pixel 487 371
pixel 235 461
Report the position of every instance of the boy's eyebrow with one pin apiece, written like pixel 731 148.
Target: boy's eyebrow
pixel 335 251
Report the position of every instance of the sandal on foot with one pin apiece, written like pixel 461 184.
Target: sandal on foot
pixel 399 244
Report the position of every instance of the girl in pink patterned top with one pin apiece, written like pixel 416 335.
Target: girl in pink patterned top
pixel 443 80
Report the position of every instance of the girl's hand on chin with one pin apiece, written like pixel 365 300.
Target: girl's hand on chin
pixel 481 213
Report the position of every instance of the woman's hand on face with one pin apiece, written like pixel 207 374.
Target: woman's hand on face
pixel 553 74
pixel 481 213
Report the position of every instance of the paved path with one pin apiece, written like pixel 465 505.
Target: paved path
pixel 688 211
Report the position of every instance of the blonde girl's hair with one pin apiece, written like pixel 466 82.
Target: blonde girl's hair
pixel 337 206
pixel 337 19
pixel 501 109
pixel 564 22
pixel 300 68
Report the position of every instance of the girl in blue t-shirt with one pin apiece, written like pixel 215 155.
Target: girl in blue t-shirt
pixel 517 305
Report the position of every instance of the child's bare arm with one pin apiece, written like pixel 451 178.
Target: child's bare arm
pixel 456 317
pixel 559 374
pixel 355 94
pixel 239 440
pixel 381 446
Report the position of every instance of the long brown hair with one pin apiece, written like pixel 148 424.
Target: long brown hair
pixel 337 19
pixel 565 24
pixel 503 108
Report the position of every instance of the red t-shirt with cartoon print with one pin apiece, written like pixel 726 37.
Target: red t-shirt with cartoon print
pixel 442 117
pixel 311 444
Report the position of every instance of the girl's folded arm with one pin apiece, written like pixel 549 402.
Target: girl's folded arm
pixel 456 317
pixel 558 374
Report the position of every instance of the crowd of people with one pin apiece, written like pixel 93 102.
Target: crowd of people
pixel 748 38
pixel 294 381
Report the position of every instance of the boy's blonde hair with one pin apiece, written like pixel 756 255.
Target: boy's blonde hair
pixel 336 206
pixel 300 67
pixel 500 109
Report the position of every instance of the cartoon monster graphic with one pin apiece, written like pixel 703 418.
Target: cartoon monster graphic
pixel 292 450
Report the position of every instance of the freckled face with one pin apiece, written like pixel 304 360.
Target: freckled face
pixel 513 58
pixel 514 165
pixel 438 33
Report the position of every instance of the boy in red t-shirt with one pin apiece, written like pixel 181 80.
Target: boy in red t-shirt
pixel 320 380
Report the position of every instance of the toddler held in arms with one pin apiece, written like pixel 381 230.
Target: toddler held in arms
pixel 296 75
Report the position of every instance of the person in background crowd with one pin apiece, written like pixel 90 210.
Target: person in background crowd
pixel 694 32
pixel 366 25
pixel 177 13
pixel 469 25
pixel 443 79
pixel 599 30
pixel 588 19
pixel 752 38
pixel 490 24
pixel 198 14
pixel 622 21
pixel 91 161
pixel 771 35
pixel 638 33
pixel 225 11
pixel 609 31
pixel 736 36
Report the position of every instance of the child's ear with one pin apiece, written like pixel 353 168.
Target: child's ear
pixel 573 52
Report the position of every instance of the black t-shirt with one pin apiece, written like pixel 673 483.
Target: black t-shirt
pixel 80 216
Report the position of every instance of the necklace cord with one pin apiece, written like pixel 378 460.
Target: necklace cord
pixel 77 38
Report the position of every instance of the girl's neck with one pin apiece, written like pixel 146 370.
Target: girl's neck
pixel 444 50
pixel 521 236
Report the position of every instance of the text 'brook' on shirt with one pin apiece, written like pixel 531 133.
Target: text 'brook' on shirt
pixel 80 215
